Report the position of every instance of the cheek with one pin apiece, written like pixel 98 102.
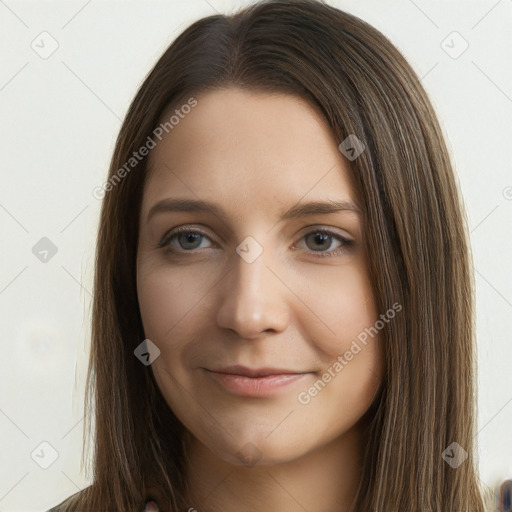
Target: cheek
pixel 168 303
pixel 158 305
pixel 175 306
pixel 353 364
pixel 165 299
pixel 339 312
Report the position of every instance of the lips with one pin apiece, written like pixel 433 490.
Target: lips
pixel 255 382
pixel 256 372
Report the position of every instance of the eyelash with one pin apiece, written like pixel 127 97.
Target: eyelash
pixel 346 243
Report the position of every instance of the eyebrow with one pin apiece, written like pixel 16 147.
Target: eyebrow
pixel 296 211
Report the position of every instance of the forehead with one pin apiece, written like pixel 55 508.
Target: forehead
pixel 248 146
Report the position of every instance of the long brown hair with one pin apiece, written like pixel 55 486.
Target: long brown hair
pixel 416 239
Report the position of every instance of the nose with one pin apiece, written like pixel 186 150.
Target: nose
pixel 252 299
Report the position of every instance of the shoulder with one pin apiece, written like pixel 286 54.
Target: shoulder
pixel 73 503
pixel 78 503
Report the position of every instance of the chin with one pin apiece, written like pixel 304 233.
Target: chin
pixel 255 449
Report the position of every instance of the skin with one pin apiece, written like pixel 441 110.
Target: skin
pixel 255 155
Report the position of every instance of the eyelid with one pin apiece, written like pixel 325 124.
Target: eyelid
pixel 330 230
pixel 306 230
pixel 346 241
pixel 185 228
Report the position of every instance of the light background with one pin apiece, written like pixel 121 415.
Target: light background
pixel 59 117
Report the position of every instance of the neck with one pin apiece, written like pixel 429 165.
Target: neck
pixel 323 480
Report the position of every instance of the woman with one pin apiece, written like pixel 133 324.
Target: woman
pixel 283 308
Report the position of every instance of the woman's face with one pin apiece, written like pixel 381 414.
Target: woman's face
pixel 246 290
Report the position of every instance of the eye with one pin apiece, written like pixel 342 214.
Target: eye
pixel 319 240
pixel 183 239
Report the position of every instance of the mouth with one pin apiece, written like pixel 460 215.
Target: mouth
pixel 257 382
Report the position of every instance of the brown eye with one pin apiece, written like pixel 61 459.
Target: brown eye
pixel 321 241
